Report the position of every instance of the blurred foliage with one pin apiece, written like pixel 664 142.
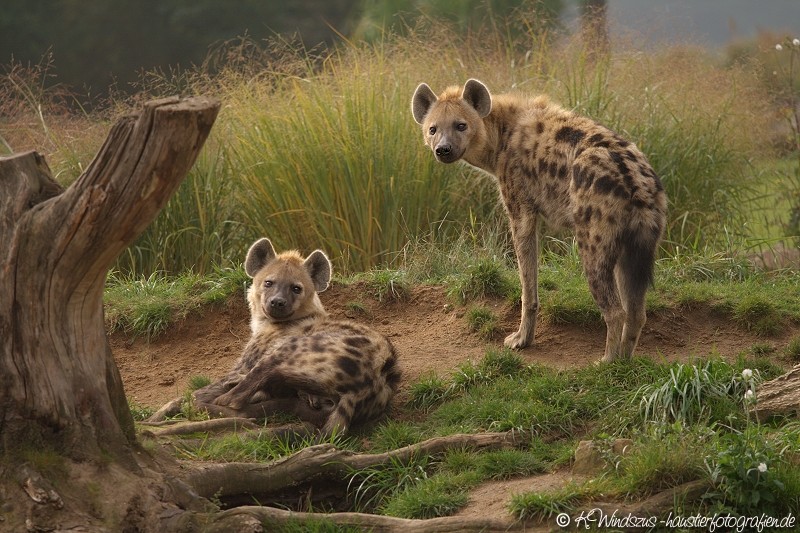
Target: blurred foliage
pixel 96 43
pixel 379 17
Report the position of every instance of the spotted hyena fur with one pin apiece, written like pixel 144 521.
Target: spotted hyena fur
pixel 331 373
pixel 569 171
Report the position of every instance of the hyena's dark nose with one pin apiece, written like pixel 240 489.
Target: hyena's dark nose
pixel 443 150
pixel 277 303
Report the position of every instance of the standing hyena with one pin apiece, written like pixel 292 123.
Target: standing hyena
pixel 569 171
pixel 331 373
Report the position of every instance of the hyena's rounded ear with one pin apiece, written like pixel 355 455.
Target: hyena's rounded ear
pixel 319 268
pixel 422 101
pixel 477 95
pixel 259 255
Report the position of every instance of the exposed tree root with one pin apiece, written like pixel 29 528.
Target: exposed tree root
pixel 251 518
pixel 780 396
pixel 212 425
pixel 657 504
pixel 240 516
pixel 326 461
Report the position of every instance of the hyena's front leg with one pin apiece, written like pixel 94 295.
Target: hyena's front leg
pixel 526 246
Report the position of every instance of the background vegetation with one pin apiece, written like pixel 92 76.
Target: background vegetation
pixel 319 150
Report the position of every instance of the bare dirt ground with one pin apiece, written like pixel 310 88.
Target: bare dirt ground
pixel 431 335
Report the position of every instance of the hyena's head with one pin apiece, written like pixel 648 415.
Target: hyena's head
pixel 285 285
pixel 452 124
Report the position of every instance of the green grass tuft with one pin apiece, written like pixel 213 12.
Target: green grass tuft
pixel 483 321
pixel 441 495
pixel 386 285
pixel 758 314
pixel 793 350
pixel 485 279
pixel 374 486
pixel 140 412
pixel 198 382
pixel 762 349
pixel 543 505
pixel 692 392
pixel 149 305
pixel 427 392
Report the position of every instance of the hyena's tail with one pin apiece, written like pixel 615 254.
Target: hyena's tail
pixel 637 259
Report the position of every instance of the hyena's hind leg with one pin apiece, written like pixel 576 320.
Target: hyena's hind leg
pixel 634 274
pixel 600 272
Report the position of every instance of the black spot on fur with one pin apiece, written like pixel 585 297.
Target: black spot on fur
pixel 390 372
pixel 348 364
pixel 622 143
pixel 562 172
pixel 542 166
pixel 620 192
pixel 587 215
pixel 596 138
pixel 604 185
pixel 317 345
pixel 355 352
pixel 539 128
pixel 345 411
pixel 629 182
pixel 347 387
pixel 570 135
pixel 659 186
pixel 529 172
pixel 620 162
pixel 357 342
pixel 582 177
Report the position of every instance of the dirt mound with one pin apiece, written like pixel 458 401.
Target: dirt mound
pixel 429 332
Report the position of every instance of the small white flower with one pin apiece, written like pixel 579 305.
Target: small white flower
pixel 778 47
pixel 796 42
pixel 762 467
pixel 747 373
pixel 749 396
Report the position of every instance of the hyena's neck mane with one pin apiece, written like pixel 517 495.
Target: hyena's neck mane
pixel 506 111
pixel 259 323
pixel 262 326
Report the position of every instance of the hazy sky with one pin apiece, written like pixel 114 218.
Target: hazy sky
pixel 708 22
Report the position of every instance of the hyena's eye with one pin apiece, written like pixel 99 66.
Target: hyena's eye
pixel 297 289
pixel 432 130
pixel 268 283
pixel 461 126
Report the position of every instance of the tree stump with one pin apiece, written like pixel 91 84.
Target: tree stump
pixel 60 389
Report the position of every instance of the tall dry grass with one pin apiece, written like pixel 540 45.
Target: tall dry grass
pixel 321 151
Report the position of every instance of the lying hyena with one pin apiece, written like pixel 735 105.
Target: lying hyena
pixel 331 373
pixel 570 171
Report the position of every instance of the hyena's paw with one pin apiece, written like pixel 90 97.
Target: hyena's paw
pixel 517 341
pixel 611 357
